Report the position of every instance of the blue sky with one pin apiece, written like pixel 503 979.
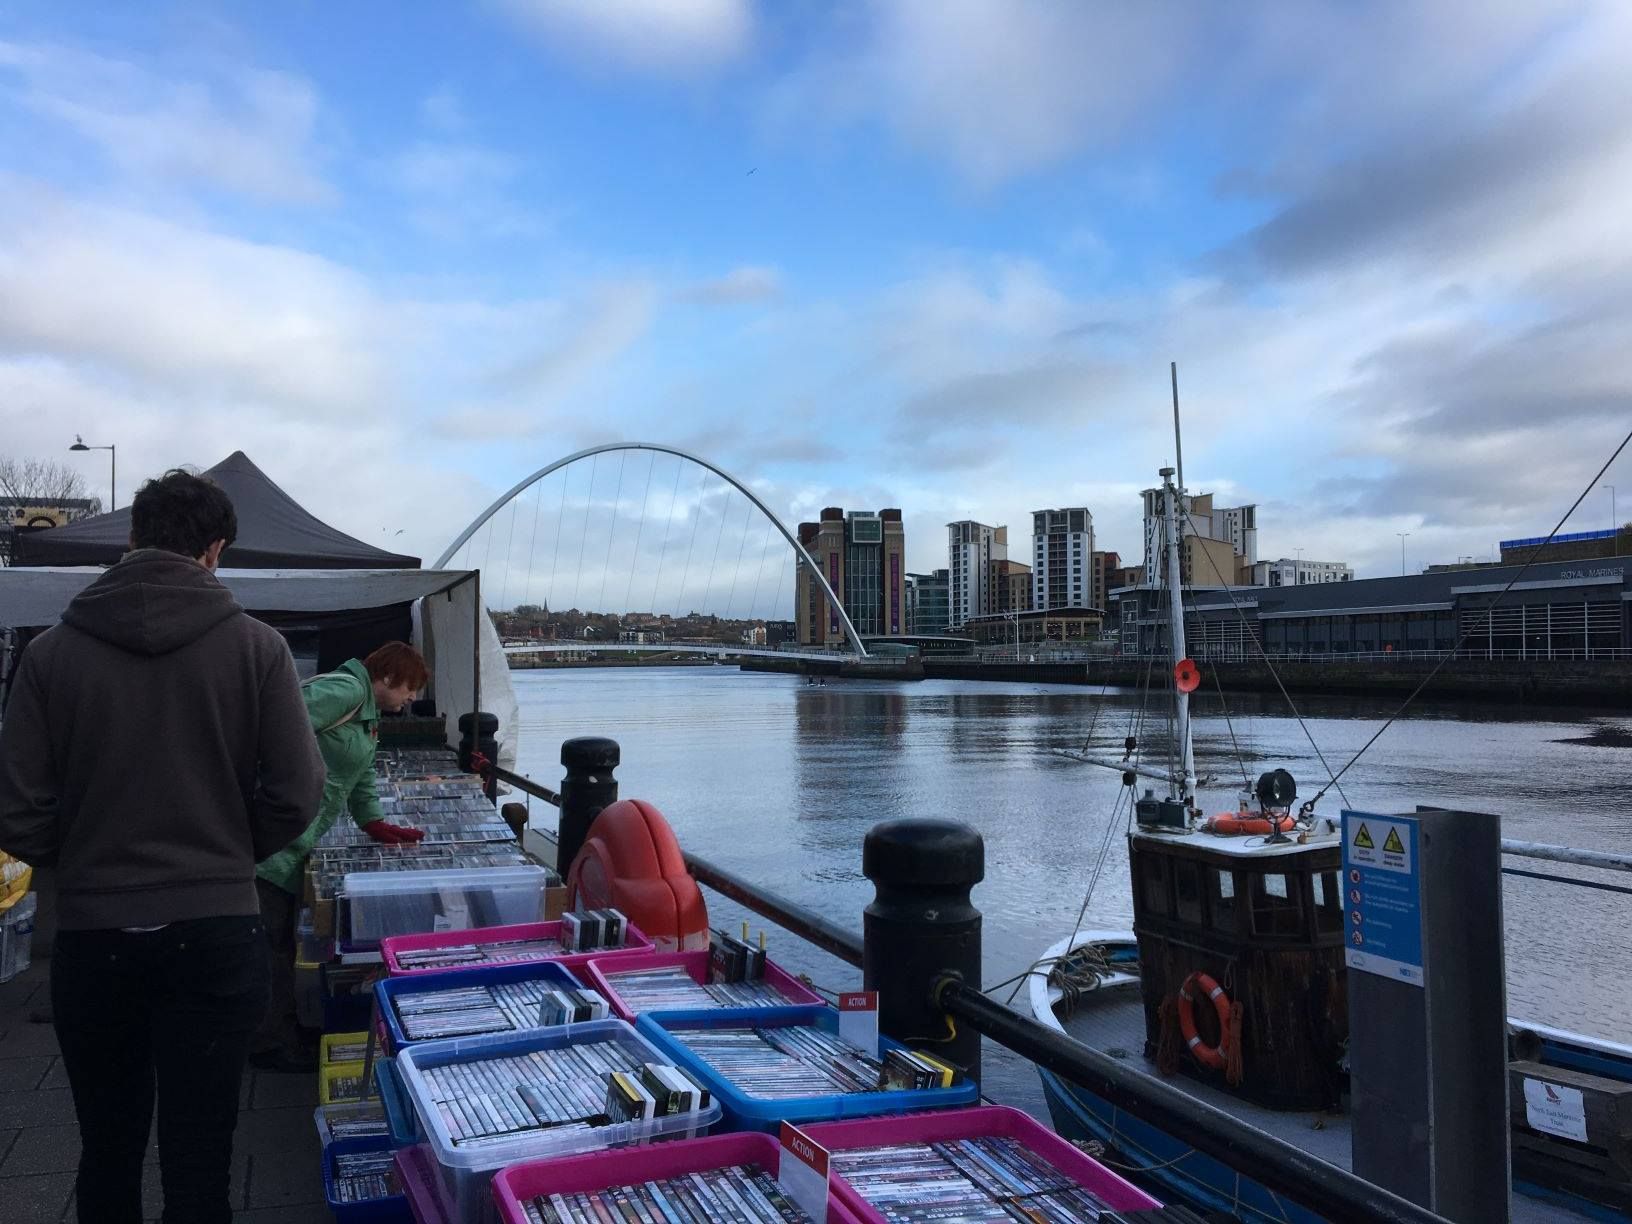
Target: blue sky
pixel 886 252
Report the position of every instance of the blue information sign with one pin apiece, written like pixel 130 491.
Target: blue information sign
pixel 1382 893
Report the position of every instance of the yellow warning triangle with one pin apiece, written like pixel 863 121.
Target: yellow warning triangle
pixel 1363 840
pixel 1392 844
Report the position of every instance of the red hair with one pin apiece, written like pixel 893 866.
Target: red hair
pixel 398 663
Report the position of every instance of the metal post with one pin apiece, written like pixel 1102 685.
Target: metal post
pixel 587 788
pixel 920 926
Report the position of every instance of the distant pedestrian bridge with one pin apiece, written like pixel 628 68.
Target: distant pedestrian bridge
pixel 718 650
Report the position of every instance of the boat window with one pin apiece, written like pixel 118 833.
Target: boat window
pixel 1223 900
pixel 1153 876
pixel 1328 902
pixel 1187 887
pixel 1277 908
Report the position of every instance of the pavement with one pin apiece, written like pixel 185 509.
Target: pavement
pixel 276 1162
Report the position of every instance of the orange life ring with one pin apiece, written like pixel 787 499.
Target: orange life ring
pixel 1232 824
pixel 1206 1055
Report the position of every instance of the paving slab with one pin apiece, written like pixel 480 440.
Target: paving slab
pixel 43 1149
pixel 35 1108
pixel 310 1213
pixel 22 1074
pixel 276 1090
pixel 36 1200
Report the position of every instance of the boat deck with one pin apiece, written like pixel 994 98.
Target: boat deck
pixel 1113 1022
pixel 276 1163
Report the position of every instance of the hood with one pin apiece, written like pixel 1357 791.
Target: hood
pixel 151 603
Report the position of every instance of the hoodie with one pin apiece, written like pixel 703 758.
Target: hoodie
pixel 155 748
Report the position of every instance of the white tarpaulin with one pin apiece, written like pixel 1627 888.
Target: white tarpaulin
pixel 469 670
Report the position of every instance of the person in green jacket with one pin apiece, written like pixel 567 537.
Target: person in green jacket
pixel 344 707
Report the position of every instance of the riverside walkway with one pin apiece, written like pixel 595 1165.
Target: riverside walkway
pixel 276 1174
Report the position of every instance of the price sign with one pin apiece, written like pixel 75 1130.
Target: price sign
pixel 858 1020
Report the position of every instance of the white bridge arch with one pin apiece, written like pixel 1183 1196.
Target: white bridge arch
pixel 804 558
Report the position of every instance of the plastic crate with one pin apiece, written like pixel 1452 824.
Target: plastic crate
pixel 747 1112
pixel 330 1042
pixel 388 990
pixel 402 1124
pixel 370 1113
pixel 466 1172
pixel 634 944
pixel 388 1210
pixel 380 904
pixel 985 1121
pixel 422 1187
pixel 599 971
pixel 332 1085
pixel 17 936
pixel 515 1186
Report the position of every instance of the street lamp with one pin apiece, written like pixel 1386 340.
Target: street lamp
pixel 113 469
pixel 1614 522
pixel 1404 535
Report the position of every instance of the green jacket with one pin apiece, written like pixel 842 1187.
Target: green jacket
pixel 347 745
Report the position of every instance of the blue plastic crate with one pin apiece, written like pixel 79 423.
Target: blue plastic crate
pixel 388 990
pixel 390 1210
pixel 402 1124
pixel 746 1112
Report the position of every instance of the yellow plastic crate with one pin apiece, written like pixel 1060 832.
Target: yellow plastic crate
pixel 338 1048
pixel 339 1082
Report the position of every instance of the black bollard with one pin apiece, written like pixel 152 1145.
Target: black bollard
pixel 587 788
pixel 920 925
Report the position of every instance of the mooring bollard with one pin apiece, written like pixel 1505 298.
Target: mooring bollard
pixel 920 925
pixel 587 788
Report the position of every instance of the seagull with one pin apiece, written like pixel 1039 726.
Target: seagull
pixel 750 172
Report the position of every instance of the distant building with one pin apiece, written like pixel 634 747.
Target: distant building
pixel 1011 583
pixel 863 557
pixel 24 514
pixel 1062 554
pixel 777 632
pixel 1105 568
pixel 1218 546
pixel 1037 625
pixel 928 603
pixel 1574 546
pixel 971 549
pixel 1289 571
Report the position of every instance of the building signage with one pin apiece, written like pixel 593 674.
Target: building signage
pixel 1382 893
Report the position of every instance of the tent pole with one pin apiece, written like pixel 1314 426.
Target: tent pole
pixel 476 651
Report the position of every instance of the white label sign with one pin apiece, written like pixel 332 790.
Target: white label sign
pixel 803 1171
pixel 1555 1109
pixel 858 1020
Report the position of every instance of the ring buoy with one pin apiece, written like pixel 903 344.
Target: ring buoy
pixel 1206 1055
pixel 632 862
pixel 1232 824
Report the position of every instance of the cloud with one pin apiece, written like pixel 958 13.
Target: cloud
pixel 746 284
pixel 244 129
pixel 663 37
pixel 442 111
pixel 458 191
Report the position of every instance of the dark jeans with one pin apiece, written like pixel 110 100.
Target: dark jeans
pixel 279 1029
pixel 172 1008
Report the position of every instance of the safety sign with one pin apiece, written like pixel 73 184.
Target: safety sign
pixel 1382 923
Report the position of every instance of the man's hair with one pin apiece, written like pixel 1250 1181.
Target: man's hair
pixel 182 512
pixel 400 663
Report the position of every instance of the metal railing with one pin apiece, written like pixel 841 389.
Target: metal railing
pixel 1247 654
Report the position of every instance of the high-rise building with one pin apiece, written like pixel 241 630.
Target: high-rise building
pixel 1062 548
pixel 1012 586
pixel 971 549
pixel 863 557
pixel 1218 547
pixel 1105 568
pixel 927 601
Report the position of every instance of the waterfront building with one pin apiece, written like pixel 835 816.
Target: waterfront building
pixel 1569 609
pixel 1105 569
pixel 1218 545
pixel 928 598
pixel 1037 625
pixel 1572 546
pixel 1012 585
pixel 971 549
pixel 1062 554
pixel 863 556
pixel 1295 571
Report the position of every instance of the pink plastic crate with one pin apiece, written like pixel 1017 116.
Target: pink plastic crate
pixel 634 944
pixel 630 1166
pixel 975 1123
pixel 695 963
pixel 421 1186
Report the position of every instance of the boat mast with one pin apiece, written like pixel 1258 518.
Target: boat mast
pixel 1174 497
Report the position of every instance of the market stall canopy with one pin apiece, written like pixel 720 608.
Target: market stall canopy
pixel 274 532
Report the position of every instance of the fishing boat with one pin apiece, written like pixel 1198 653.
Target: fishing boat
pixel 1232 985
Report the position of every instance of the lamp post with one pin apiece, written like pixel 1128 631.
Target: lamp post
pixel 113 469
pixel 1614 522
pixel 1404 535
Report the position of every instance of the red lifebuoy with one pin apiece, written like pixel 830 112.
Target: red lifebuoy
pixel 631 862
pixel 1206 1055
pixel 1230 824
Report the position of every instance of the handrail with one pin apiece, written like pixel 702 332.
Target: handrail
pixel 805 923
pixel 525 784
pixel 1605 859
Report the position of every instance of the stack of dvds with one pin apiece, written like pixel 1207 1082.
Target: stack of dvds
pixel 352 1120
pixel 362 1176
pixel 990 1178
pixel 673 989
pixel 746 1194
pixel 735 960
pixel 793 1060
pixel 592 930
pixel 502 952
pixel 657 1091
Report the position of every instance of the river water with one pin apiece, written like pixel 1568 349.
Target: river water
pixel 780 781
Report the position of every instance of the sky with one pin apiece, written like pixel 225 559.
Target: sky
pixel 930 254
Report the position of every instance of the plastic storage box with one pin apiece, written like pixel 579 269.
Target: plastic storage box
pixel 519 1184
pixel 601 972
pixel 388 990
pixel 401 1122
pixel 388 1210
pixel 381 904
pixel 351 1120
pixel 17 937
pixel 338 1082
pixel 416 1170
pixel 336 1048
pixel 745 1111
pixel 492 940
pixel 992 1120
pixel 466 1171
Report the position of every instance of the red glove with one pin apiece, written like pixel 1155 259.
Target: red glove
pixel 392 835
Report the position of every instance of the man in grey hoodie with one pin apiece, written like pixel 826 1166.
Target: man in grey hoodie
pixel 156 748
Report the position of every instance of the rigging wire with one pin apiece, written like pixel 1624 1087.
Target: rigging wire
pixel 645 503
pixel 1489 613
pixel 612 532
pixel 1230 723
pixel 759 573
pixel 668 525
